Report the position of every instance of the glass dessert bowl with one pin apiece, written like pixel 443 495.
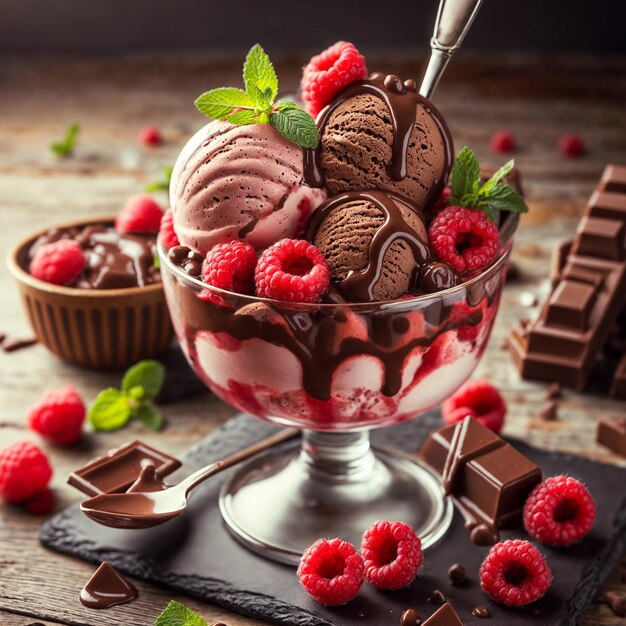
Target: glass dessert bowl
pixel 335 370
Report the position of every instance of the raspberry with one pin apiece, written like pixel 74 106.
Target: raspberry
pixel 292 270
pixel 24 471
pixel 479 399
pixel 168 237
pixel 559 512
pixel 465 238
pixel 330 72
pixel 392 553
pixel 230 266
pixel 150 136
pixel 515 573
pixel 59 263
pixel 331 571
pixel 41 503
pixel 571 145
pixel 502 141
pixel 59 416
pixel 141 214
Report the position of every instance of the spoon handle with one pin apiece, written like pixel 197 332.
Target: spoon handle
pixel 215 468
pixel 453 22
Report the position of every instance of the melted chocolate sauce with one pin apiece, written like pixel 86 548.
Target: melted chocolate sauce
pixel 107 588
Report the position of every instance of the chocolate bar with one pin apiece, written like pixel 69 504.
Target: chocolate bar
pixel 444 616
pixel 119 469
pixel 487 477
pixel 611 433
pixel 563 343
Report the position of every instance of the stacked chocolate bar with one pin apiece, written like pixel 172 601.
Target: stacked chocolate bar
pixel 588 297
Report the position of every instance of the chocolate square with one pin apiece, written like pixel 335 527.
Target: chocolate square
pixel 611 433
pixel 583 275
pixel 608 205
pixel 570 305
pixel 444 616
pixel 600 237
pixel 614 179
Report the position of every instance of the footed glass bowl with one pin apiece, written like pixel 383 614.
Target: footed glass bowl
pixel 335 371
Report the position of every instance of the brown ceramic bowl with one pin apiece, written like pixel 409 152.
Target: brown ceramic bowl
pixel 102 329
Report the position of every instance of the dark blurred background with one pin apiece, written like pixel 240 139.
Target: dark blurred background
pixel 377 25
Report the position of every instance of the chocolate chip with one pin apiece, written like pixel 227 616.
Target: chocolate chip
pixel 481 612
pixel 192 267
pixel 376 75
pixel 457 574
pixel 178 253
pixel 483 535
pixel 410 618
pixel 410 85
pixel 616 602
pixel 437 597
pixel 549 411
pixel 553 392
pixel 195 256
pixel 394 84
pixel 18 344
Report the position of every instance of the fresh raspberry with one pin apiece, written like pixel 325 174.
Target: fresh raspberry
pixel 392 553
pixel 515 573
pixel 330 72
pixel 571 145
pixel 24 471
pixel 60 262
pixel 559 512
pixel 292 270
pixel 141 214
pixel 59 416
pixel 168 237
pixel 502 141
pixel 41 503
pixel 478 399
pixel 230 266
pixel 150 136
pixel 331 571
pixel 465 238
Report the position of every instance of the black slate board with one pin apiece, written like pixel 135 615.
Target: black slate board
pixel 196 555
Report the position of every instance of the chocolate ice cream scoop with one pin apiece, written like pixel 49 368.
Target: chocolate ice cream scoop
pixel 381 134
pixel 375 244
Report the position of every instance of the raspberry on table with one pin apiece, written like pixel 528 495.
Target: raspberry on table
pixel 331 571
pixel 515 573
pixel 141 214
pixel 41 503
pixel 465 238
pixel 168 237
pixel 292 270
pixel 559 512
pixel 478 399
pixel 24 471
pixel 328 73
pixel 571 145
pixel 60 262
pixel 150 136
pixel 230 266
pixel 392 553
pixel 502 141
pixel 59 416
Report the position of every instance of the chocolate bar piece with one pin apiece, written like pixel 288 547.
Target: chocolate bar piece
pixel 588 295
pixel 444 616
pixel 487 477
pixel 119 469
pixel 611 433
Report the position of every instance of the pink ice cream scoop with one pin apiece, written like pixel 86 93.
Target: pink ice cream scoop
pixel 239 182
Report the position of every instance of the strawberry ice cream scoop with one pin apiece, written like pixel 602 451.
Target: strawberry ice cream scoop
pixel 239 182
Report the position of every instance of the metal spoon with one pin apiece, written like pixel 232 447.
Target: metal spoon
pixel 147 509
pixel 453 22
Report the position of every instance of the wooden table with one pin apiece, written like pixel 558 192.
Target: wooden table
pixel 537 98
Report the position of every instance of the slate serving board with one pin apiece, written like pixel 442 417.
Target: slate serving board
pixel 196 555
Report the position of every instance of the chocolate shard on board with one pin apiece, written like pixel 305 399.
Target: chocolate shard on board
pixel 117 470
pixel 445 616
pixel 488 478
pixel 107 588
pixel 589 293
pixel 611 433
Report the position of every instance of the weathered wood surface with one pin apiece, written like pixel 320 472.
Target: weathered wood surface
pixel 536 98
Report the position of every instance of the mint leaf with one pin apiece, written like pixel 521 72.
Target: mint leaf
pixel 465 177
pixel 176 614
pixel 150 416
pixel 506 198
pixel 260 77
pixel 110 410
pixel 147 374
pixel 156 262
pixel 283 105
pixel 243 117
pixel 297 126
pixel 490 184
pixel 164 183
pixel 64 147
pixel 218 103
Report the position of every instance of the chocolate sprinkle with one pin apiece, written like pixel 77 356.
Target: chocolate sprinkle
pixel 457 574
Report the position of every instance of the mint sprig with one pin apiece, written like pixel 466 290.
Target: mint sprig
pixel 177 614
pixel 256 104
pixel 65 147
pixel 113 408
pixel 492 196
pixel 164 183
